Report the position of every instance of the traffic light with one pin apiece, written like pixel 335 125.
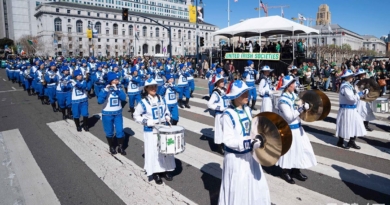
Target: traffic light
pixel 125 14
pixel 201 41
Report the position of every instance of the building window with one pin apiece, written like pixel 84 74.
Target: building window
pixel 79 26
pixel 123 32
pixel 116 40
pixel 78 12
pixel 80 46
pixel 98 27
pixel 179 34
pixel 116 46
pixel 207 37
pixel 69 38
pixel 89 13
pixel 58 45
pixel 144 30
pixel 99 40
pixel 57 10
pixel 189 35
pixel 114 16
pixel 131 30
pixel 99 46
pixel 115 28
pixel 68 20
pixel 108 40
pixel 107 32
pixel 98 15
pixel 70 46
pixel 157 32
pixel 80 39
pixel 57 24
pixel 106 15
pixel 58 38
pixel 68 11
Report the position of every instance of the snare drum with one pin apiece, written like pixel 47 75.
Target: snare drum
pixel 380 105
pixel 171 140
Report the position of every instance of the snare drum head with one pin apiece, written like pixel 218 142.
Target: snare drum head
pixel 174 128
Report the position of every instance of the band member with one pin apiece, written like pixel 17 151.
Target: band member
pixel 218 104
pixel 243 180
pixel 111 97
pixel 157 74
pixel 39 78
pixel 169 91
pixel 28 79
pixel 99 79
pixel 190 78
pixel 294 74
pixel 209 75
pixel 266 90
pixel 63 93
pixel 80 100
pixel 349 123
pixel 250 76
pixel 152 111
pixel 51 79
pixel 182 86
pixel 300 155
pixel 363 107
pixel 133 91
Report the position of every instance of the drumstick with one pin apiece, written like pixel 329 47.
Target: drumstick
pixel 170 125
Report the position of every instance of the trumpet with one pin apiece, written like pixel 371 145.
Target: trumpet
pixel 43 77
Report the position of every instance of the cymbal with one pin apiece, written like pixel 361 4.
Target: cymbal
pixel 315 106
pixel 372 86
pixel 326 105
pixel 277 137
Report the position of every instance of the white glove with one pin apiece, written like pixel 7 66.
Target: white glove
pixel 306 106
pixel 150 123
pixel 256 143
pixel 299 103
pixel 366 91
pixel 107 88
pixel 270 92
pixel 168 118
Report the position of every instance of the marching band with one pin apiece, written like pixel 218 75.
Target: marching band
pixel 156 90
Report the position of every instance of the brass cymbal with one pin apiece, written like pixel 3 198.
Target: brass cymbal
pixel 315 106
pixel 372 86
pixel 326 105
pixel 277 137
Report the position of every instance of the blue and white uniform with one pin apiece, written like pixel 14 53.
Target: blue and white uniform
pixel 190 78
pixel 169 92
pixel 79 98
pixel 133 88
pixel 51 79
pixel 209 75
pixel 63 90
pixel 249 75
pixel 182 83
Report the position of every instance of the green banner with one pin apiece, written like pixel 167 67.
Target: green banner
pixel 253 56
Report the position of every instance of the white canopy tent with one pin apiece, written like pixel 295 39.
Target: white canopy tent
pixel 265 26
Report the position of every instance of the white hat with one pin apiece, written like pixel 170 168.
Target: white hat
pixel 266 68
pixel 150 81
pixel 360 71
pixel 236 89
pixel 294 67
pixel 216 78
pixel 287 81
pixel 347 73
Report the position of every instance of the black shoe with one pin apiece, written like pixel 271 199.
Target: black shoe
pixel 132 110
pixel 120 146
pixel 85 124
pixel 77 122
pixel 352 143
pixel 69 113
pixel 46 100
pixel 340 143
pixel 167 176
pixel 111 145
pixel 42 100
pixel 180 103
pixel 187 103
pixel 191 94
pixel 174 122
pixel 286 176
pixel 53 105
pixel 253 105
pixel 29 92
pixel 296 173
pixel 63 113
pixel 157 179
pixel 367 127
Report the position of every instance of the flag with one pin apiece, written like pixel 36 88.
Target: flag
pixel 300 17
pixel 282 13
pixel 329 28
pixel 22 52
pixel 30 42
pixel 192 13
pixel 264 8
pixel 280 83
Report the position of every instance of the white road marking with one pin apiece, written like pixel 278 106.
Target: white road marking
pixel 4 79
pixel 26 178
pixel 7 91
pixel 13 88
pixel 121 175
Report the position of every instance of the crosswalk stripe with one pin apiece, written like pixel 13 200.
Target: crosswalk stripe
pixel 280 193
pixel 114 171
pixel 25 183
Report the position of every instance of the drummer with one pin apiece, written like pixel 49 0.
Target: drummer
pixel 349 123
pixel 218 104
pixel 150 112
pixel 363 107
pixel 300 155
pixel 266 90
pixel 243 180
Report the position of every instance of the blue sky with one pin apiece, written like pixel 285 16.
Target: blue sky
pixel 360 16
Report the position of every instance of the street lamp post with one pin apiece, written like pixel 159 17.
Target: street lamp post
pixel 197 36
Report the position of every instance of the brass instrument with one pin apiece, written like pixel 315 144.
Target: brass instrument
pixel 372 86
pixel 319 105
pixel 26 73
pixel 87 76
pixel 43 77
pixel 276 135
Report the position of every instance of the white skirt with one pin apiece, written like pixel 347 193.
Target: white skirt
pixel 365 110
pixel 349 124
pixel 218 133
pixel 301 154
pixel 155 162
pixel 243 181
pixel 267 105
